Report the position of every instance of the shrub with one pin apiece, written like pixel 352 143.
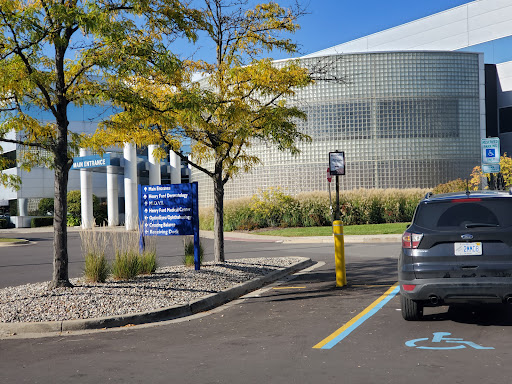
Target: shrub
pixel 46 206
pixel 274 208
pixel 75 209
pixel 312 210
pixel 188 259
pixel 451 186
pixel 126 265
pixel 270 206
pixel 3 223
pixel 237 215
pixel 41 222
pixel 100 212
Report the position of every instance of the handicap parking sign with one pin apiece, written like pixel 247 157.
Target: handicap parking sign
pixel 490 151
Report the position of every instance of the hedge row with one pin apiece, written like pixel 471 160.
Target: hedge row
pixel 41 222
pixel 273 208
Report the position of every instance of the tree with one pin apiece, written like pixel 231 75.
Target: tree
pixel 55 53
pixel 239 99
pixel 504 178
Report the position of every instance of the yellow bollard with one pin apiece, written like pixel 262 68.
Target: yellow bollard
pixel 339 253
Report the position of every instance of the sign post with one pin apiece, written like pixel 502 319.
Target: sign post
pixel 172 209
pixel 490 148
pixel 329 179
pixel 337 168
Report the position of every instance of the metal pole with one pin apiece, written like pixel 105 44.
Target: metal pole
pixel 331 211
pixel 337 213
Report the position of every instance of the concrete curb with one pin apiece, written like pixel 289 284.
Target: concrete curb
pixel 200 305
pixel 241 236
pixel 13 243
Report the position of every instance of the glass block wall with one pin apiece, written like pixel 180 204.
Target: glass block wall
pixel 403 119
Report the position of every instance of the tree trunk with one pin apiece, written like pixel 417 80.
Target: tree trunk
pixel 60 236
pixel 218 218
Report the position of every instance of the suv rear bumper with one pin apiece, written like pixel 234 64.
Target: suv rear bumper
pixel 439 291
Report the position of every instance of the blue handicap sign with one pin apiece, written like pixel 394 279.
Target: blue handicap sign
pixel 440 338
pixel 490 152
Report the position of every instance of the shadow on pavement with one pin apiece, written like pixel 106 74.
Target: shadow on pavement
pixel 483 315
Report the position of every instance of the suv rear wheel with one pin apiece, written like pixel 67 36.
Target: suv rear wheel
pixel 411 310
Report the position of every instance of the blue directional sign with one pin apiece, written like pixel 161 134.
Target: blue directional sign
pixel 171 209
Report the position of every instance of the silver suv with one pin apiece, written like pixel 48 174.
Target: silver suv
pixel 458 249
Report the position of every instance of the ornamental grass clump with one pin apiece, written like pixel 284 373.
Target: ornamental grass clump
pixel 94 245
pixel 273 208
pixel 97 268
pixel 148 257
pixel 312 211
pixel 128 262
pixel 188 258
pixel 126 265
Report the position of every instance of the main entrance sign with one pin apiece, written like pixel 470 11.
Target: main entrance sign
pixel 92 161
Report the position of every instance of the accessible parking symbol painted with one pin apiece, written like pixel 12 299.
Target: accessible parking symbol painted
pixel 440 339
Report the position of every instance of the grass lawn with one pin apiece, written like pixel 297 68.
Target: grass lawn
pixel 7 240
pixel 365 229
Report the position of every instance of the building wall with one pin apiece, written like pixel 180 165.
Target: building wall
pixel 403 119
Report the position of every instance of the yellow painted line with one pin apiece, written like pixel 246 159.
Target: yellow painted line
pixel 288 287
pixel 346 329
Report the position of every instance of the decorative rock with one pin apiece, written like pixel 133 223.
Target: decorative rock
pixel 166 287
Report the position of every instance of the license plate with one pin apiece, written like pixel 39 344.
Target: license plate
pixel 468 249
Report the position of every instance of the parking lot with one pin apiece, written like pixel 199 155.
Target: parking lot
pixel 275 335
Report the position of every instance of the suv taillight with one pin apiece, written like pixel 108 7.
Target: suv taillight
pixel 411 240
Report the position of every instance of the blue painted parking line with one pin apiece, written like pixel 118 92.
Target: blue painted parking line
pixel 349 327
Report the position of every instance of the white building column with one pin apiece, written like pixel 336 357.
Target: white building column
pixel 22 206
pixel 175 162
pixel 112 197
pixel 155 175
pixel 131 215
pixel 86 194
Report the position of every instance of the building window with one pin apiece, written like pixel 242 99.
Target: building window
pixel 11 157
pixel 505 120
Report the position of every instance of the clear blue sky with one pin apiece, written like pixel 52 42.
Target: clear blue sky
pixel 332 22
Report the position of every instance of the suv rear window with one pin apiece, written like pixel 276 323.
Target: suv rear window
pixel 471 214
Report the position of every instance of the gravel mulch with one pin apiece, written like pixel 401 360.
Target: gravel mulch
pixel 167 287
